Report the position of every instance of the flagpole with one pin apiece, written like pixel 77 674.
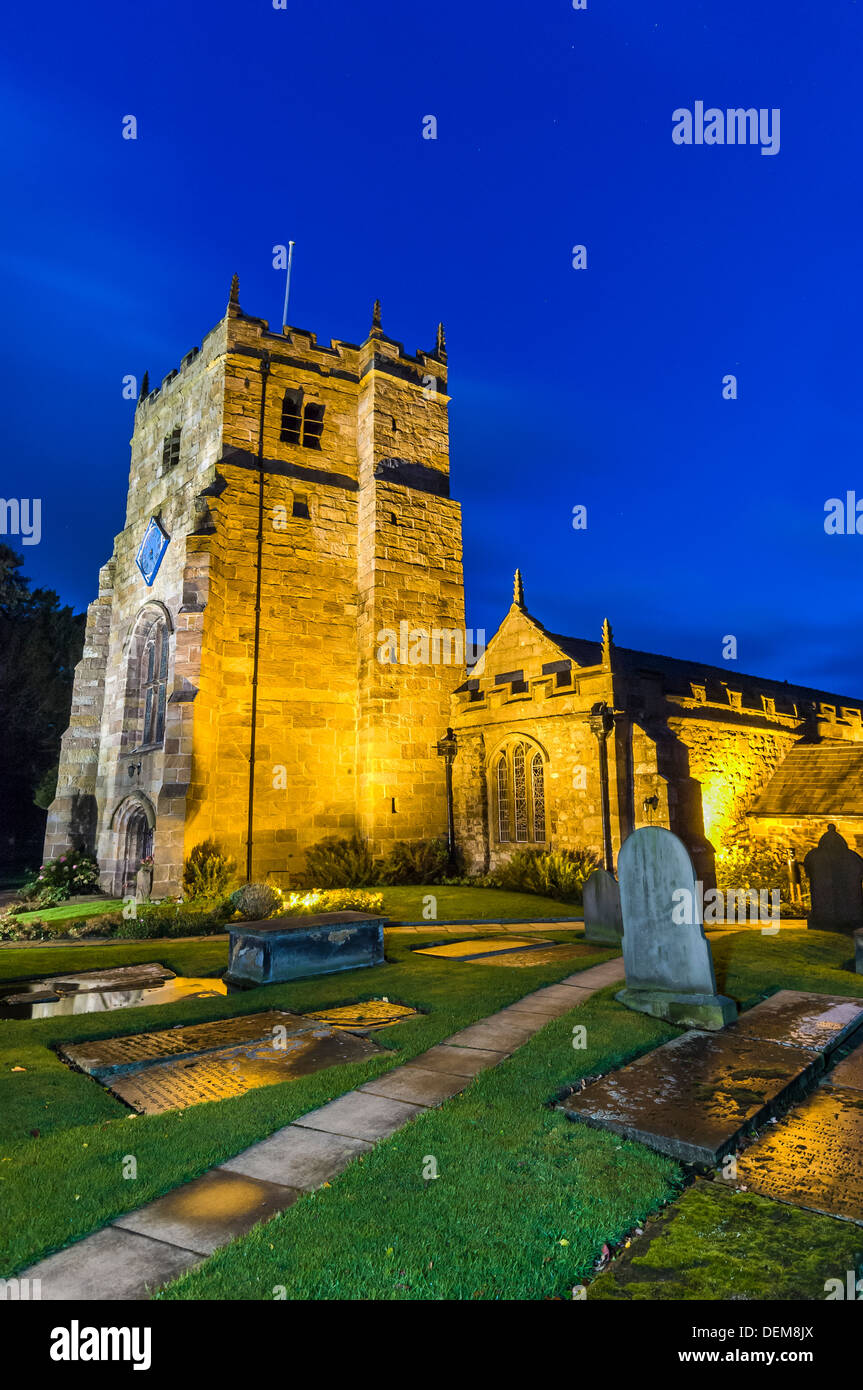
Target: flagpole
pixel 288 284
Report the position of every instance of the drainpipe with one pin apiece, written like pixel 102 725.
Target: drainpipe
pixel 601 724
pixel 265 369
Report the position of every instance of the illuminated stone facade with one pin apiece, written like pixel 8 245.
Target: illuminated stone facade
pixel 340 484
pixel 546 719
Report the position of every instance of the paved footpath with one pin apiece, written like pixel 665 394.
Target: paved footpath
pixel 146 1248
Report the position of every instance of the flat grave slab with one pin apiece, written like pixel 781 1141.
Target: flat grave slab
pixel 476 949
pixel 814 1157
pixel 537 955
pixel 849 1071
pixel 819 1022
pixel 365 1017
pixel 227 1072
pixel 293 948
pixel 99 991
pixel 112 1056
pixel 692 1097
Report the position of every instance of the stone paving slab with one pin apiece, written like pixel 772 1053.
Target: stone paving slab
pixel 497 1034
pixel 361 1116
pixel 476 950
pixel 103 1057
pixel 537 1017
pixel 849 1072
pixel 458 1061
pixel 797 1018
pixel 111 1265
pixel 694 1096
pixel 175 1085
pixel 419 1085
pixel 557 999
pixel 813 1157
pixel 608 973
pixel 210 1211
pixel 298 1157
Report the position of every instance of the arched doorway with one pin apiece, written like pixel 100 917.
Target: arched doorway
pixel 134 822
pixel 139 846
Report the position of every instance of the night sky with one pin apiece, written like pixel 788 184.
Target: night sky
pixel 600 387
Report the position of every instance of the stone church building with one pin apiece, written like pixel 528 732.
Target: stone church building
pixel 288 503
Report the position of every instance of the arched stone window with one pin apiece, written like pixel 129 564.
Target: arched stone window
pixel 519 787
pixel 148 664
pixel 154 685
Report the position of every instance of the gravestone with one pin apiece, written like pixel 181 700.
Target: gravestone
pixel 836 883
pixel 666 956
pixel 292 948
pixel 602 919
pixel 858 951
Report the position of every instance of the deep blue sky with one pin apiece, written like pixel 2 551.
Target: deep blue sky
pixel 600 387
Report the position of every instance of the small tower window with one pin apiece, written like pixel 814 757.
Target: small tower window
pixel 171 450
pixel 291 417
pixel 300 506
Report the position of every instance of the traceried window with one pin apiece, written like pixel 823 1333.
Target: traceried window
pixel 154 685
pixel 520 791
pixel 302 421
pixel 537 782
pixel 502 799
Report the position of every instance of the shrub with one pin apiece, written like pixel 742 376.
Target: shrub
pixel 552 873
pixel 415 861
pixel 106 924
pixel 59 879
pixel 332 900
pixel 757 867
pixel 335 863
pixel 171 918
pixel 255 901
pixel 208 873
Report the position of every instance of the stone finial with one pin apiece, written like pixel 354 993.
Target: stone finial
pixel 440 343
pixel 376 331
pixel 145 386
pixel 607 642
pixel 235 291
pixel 518 590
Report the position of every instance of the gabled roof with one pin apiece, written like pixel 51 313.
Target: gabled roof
pixel 815 779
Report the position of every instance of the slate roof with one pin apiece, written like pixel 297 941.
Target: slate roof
pixel 815 779
pixel 678 673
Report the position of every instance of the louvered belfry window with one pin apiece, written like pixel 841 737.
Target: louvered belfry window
pixel 302 421
pixel 171 449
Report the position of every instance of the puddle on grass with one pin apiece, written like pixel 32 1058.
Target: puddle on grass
pixel 99 991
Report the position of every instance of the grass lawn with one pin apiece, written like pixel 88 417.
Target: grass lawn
pixel 66 1180
pixel 480 904
pixel 525 1198
pixel 70 912
pixel 409 904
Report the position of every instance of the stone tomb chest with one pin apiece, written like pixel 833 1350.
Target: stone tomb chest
pixel 292 948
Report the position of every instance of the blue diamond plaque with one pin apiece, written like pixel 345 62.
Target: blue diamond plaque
pixel 151 551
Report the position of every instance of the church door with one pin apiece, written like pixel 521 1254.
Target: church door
pixel 139 845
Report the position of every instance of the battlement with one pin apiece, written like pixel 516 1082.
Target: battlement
pixel 238 332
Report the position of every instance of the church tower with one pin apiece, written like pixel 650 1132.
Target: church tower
pixel 288 502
